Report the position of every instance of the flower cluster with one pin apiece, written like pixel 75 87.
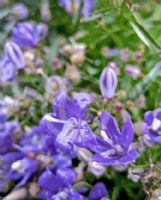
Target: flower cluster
pixel 57 140
pixel 24 35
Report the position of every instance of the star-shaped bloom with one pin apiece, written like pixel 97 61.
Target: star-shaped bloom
pixel 114 146
pixel 67 123
pixel 57 184
pixel 152 126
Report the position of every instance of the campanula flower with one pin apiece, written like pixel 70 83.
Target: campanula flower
pixel 37 141
pixel 98 191
pixel 29 34
pixel 152 126
pixel 66 124
pixel 56 184
pixel 108 83
pixel 7 130
pixel 21 170
pixel 114 146
pixel 72 7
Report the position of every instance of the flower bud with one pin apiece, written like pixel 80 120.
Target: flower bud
pixel 108 83
pixel 96 168
pixel 73 73
pixel 42 31
pixel 7 70
pixel 124 54
pixel 13 51
pixel 20 11
pixel 133 71
pixel 77 58
pixel 84 154
pixel 45 11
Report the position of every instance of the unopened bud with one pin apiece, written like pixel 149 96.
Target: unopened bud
pixel 13 51
pixel 133 71
pixel 96 168
pixel 73 73
pixel 77 58
pixel 108 83
pixel 84 154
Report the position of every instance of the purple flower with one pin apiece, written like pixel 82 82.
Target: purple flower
pixel 7 70
pixel 66 124
pixel 72 7
pixel 108 83
pixel 12 61
pixel 14 53
pixel 152 126
pixel 7 130
pixel 22 170
pixel 37 141
pixel 20 11
pixel 29 34
pixel 114 147
pixel 133 71
pixel 57 185
pixel 98 191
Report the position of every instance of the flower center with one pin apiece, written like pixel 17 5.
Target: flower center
pixel 113 152
pixel 156 124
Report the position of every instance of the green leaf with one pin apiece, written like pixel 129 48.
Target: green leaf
pixel 83 184
pixel 145 36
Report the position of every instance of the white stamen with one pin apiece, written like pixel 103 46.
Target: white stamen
pixel 52 119
pixel 105 137
pixel 119 148
pixel 108 153
pixel 17 166
pixel 155 124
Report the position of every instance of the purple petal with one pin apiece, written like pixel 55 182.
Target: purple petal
pixel 85 137
pixel 7 70
pixel 79 104
pixel 66 174
pixel 148 117
pixel 108 124
pixel 87 7
pixel 98 191
pixel 158 115
pixel 127 134
pixel 104 161
pixel 62 106
pixel 49 127
pixel 131 156
pixel 48 181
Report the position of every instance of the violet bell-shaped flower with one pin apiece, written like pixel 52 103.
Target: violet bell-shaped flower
pixel 72 7
pixel 66 124
pixel 108 83
pixel 114 147
pixel 29 34
pixel 152 126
